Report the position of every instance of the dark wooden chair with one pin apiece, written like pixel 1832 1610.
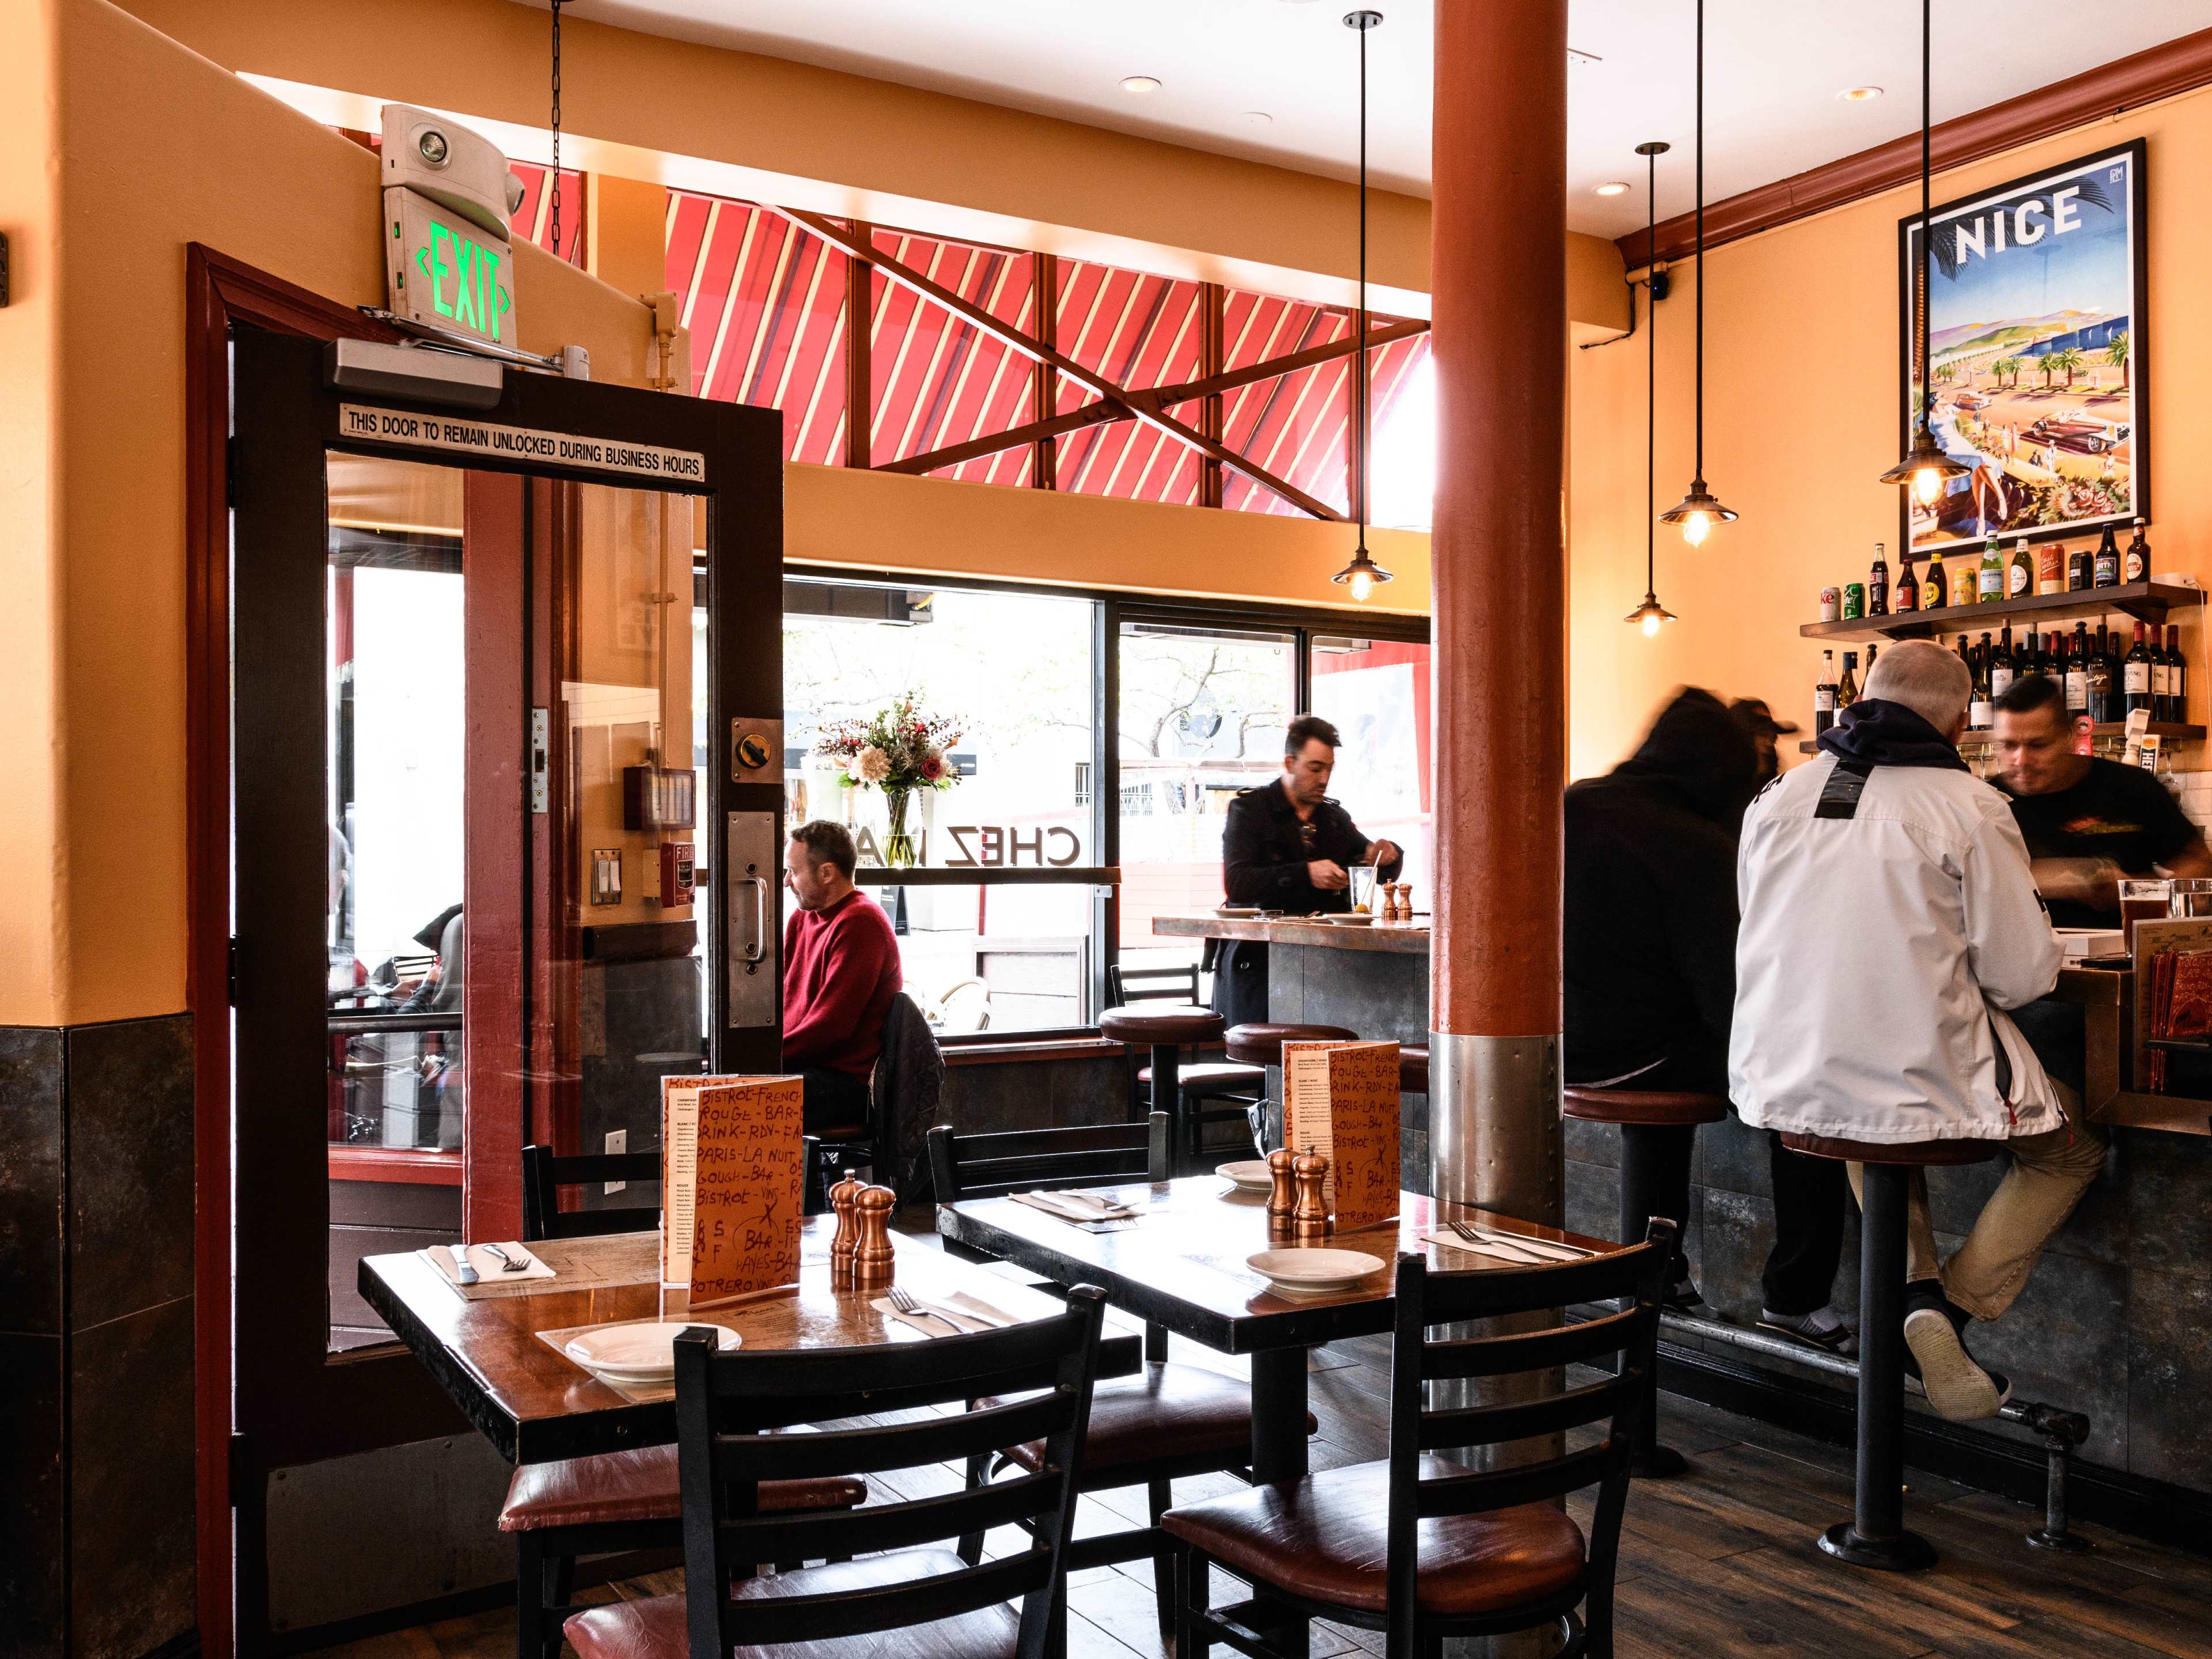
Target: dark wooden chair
pixel 1167 1422
pixel 1195 1084
pixel 1875 1535
pixel 1424 1549
pixel 615 1501
pixel 729 1407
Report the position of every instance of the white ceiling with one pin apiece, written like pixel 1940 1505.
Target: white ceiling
pixel 1773 70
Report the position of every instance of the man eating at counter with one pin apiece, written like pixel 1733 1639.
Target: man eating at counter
pixel 1287 846
pixel 2087 822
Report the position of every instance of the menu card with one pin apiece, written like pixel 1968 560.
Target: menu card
pixel 732 1165
pixel 1342 1098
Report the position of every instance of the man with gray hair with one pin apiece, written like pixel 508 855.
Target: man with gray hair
pixel 1890 921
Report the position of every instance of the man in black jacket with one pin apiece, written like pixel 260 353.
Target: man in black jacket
pixel 1287 847
pixel 1649 972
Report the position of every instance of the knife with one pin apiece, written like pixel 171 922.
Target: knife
pixel 463 1272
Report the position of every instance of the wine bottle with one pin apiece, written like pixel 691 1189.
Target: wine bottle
pixel 2020 574
pixel 2135 690
pixel 2161 710
pixel 1989 586
pixel 2077 671
pixel 2104 689
pixel 2177 678
pixel 1878 583
pixel 1980 716
pixel 2134 563
pixel 2004 667
pixel 2106 567
pixel 1934 595
pixel 1847 687
pixel 2078 571
pixel 1908 584
pixel 1824 695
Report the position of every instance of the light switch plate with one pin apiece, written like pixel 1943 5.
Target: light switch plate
pixel 606 875
pixel 617 1141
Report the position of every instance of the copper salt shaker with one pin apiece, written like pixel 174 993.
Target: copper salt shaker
pixel 1309 1214
pixel 1284 1199
pixel 873 1265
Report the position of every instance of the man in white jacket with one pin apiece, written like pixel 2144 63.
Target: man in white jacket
pixel 1889 922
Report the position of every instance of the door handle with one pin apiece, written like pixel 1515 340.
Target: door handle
pixel 759 949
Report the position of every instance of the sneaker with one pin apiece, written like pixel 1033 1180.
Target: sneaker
pixel 1820 1329
pixel 1685 1297
pixel 1937 1364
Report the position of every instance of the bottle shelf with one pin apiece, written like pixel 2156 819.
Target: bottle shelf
pixel 2144 601
pixel 2110 731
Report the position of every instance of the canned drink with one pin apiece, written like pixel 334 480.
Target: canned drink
pixel 1854 601
pixel 2050 568
pixel 1830 600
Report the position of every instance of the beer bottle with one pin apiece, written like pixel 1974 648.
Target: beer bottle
pixel 1908 584
pixel 1824 695
pixel 1847 689
pixel 2135 564
pixel 1933 595
pixel 1878 584
pixel 1990 588
pixel 2107 569
pixel 2136 689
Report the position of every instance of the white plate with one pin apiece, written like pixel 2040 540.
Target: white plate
pixel 1237 910
pixel 1312 1272
pixel 1350 920
pixel 636 1353
pixel 1251 1174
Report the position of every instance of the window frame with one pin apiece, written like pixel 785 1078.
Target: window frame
pixel 1111 608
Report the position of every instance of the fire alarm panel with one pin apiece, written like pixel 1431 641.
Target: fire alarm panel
pixel 678 871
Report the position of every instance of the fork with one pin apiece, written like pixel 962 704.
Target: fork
pixel 1495 1247
pixel 514 1264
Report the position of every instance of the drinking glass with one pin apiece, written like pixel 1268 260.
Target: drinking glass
pixel 2142 899
pixel 2192 896
pixel 1363 888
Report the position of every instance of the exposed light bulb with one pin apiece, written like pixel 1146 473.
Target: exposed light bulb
pixel 1696 527
pixel 1362 584
pixel 1650 626
pixel 1927 484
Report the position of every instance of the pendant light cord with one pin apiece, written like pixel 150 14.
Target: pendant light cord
pixel 1651 372
pixel 557 128
pixel 1360 321
pixel 1927 115
pixel 1701 243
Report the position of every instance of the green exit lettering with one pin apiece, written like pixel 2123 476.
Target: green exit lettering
pixel 454 263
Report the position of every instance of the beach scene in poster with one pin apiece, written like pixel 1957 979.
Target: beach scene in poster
pixel 2034 346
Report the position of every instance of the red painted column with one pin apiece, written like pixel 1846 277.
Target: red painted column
pixel 1499 276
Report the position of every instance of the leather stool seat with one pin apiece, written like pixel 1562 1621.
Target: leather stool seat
pixel 1150 1024
pixel 1653 1108
pixel 1166 1411
pixel 1924 1152
pixel 653 1628
pixel 1412 1068
pixel 629 1486
pixel 1326 1539
pixel 1211 1077
pixel 1261 1042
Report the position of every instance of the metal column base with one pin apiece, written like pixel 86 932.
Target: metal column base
pixel 1908 1551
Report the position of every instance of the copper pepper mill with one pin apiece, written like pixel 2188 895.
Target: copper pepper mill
pixel 1283 1200
pixel 846 1243
pixel 873 1265
pixel 1309 1215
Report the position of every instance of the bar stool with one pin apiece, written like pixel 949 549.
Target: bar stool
pixel 1261 1043
pixel 1167 1029
pixel 1412 1068
pixel 1875 1535
pixel 1637 1110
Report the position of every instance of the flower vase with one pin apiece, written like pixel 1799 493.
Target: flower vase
pixel 901 839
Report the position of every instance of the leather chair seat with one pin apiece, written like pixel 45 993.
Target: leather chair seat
pixel 653 1628
pixel 629 1487
pixel 1906 1151
pixel 1260 1042
pixel 1214 1076
pixel 1164 1411
pixel 1326 1539
pixel 1651 1107
pixel 1148 1024
pixel 1412 1068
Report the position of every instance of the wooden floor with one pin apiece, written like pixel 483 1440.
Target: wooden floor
pixel 1716 1565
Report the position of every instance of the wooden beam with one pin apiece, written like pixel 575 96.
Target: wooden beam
pixel 2094 95
pixel 860 353
pixel 1041 433
pixel 1140 404
pixel 1169 395
pixel 1044 379
pixel 1214 299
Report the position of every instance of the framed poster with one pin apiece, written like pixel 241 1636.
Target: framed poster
pixel 2036 329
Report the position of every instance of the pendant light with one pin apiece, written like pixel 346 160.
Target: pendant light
pixel 1700 510
pixel 1926 464
pixel 1362 575
pixel 1651 615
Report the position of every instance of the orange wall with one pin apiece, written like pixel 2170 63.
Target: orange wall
pixel 134 143
pixel 1800 419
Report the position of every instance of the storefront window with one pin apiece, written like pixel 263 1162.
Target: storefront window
pixel 1375 693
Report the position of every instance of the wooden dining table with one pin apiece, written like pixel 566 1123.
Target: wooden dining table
pixel 535 1404
pixel 1182 1262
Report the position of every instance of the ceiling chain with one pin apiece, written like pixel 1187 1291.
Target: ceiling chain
pixel 556 129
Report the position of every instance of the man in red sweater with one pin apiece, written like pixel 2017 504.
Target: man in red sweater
pixel 841 971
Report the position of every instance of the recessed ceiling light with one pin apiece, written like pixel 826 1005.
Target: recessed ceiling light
pixel 1259 118
pixel 1140 85
pixel 1859 94
pixel 1612 187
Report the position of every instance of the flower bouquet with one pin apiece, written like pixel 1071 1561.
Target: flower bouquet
pixel 898 749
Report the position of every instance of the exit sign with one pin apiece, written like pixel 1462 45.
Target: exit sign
pixel 446 272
